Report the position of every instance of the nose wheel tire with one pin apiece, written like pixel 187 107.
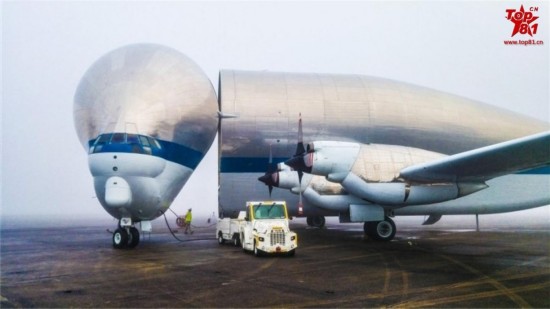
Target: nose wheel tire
pixel 120 238
pixel 125 238
pixel 133 239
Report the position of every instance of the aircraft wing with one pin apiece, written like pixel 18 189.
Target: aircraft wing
pixel 485 163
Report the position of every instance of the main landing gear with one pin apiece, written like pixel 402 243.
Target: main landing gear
pixel 316 221
pixel 125 237
pixel 380 230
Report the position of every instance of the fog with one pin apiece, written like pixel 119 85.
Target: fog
pixel 455 47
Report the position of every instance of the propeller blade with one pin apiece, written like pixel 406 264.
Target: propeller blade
pixel 270 167
pixel 297 161
pixel 300 203
pixel 300 149
pixel 270 178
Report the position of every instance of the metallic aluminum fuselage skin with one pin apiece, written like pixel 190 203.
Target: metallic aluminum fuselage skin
pixel 158 93
pixel 154 92
pixel 361 109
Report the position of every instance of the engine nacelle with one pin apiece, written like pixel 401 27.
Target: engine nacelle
pixel 403 194
pixel 372 162
pixel 288 179
pixel 371 172
pixel 339 203
pixel 326 158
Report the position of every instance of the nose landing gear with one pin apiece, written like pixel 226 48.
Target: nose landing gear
pixel 125 237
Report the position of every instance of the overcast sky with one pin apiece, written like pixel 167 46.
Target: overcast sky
pixel 455 47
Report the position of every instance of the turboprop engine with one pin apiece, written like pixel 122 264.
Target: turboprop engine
pixel 372 172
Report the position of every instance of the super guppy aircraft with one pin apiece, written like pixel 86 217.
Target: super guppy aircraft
pixel 146 114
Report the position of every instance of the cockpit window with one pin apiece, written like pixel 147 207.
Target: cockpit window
pixel 132 139
pixel 144 141
pixel 118 138
pixel 125 142
pixel 154 143
pixel 103 138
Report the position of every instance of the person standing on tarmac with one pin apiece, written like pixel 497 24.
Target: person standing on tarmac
pixel 188 219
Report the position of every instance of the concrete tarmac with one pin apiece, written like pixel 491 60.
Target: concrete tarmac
pixel 333 267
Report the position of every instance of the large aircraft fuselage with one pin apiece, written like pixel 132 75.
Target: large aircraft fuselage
pixel 265 108
pixel 146 115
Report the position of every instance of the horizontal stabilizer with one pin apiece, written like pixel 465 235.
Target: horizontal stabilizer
pixel 484 163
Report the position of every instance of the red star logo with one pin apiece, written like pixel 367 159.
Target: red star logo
pixel 521 20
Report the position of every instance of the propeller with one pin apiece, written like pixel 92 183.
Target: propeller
pixel 270 177
pixel 297 161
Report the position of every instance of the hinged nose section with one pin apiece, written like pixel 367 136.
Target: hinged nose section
pixel 117 192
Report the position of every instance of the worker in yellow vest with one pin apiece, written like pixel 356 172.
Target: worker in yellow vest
pixel 188 219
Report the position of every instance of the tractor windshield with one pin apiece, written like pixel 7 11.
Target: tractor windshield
pixel 269 211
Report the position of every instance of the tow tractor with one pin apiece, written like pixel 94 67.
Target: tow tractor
pixel 230 229
pixel 262 228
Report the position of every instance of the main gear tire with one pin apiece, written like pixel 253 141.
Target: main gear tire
pixel 381 230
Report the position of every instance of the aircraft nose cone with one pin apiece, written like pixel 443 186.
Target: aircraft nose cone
pixel 117 192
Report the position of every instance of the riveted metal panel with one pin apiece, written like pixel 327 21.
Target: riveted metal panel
pixel 356 108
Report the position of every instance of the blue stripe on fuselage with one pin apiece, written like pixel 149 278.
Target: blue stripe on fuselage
pixel 259 165
pixel 180 154
pixel 545 170
pixel 172 152
pixel 247 165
